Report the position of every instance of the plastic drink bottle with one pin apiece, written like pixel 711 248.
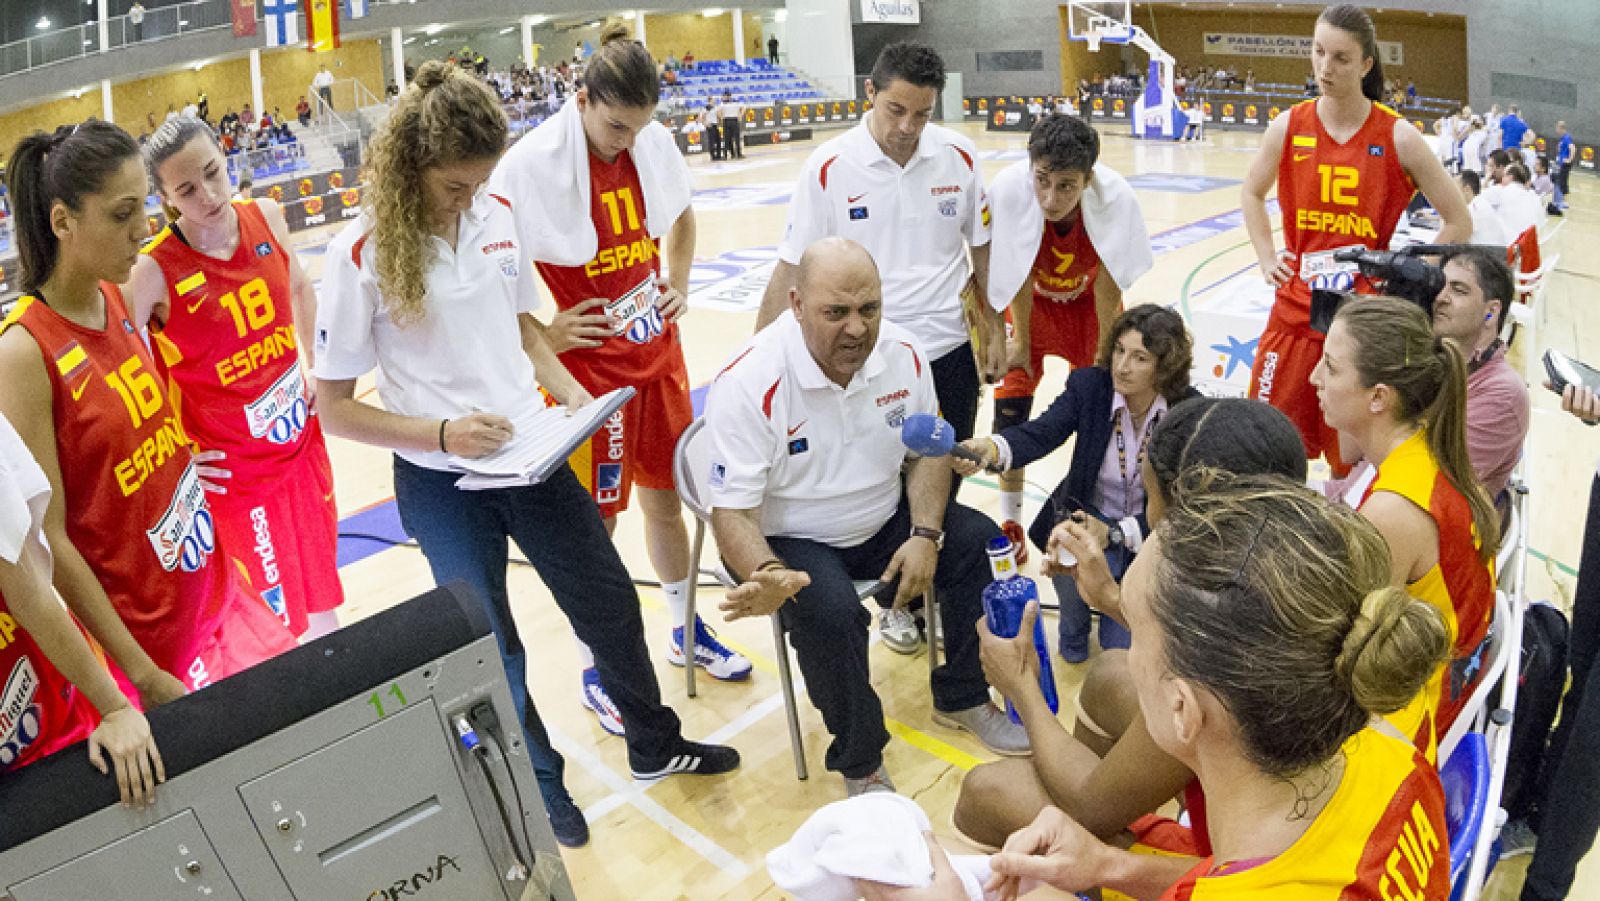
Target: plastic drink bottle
pixel 1004 600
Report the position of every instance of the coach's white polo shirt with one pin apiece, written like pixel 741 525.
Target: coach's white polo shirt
pixel 822 462
pixel 465 354
pixel 916 222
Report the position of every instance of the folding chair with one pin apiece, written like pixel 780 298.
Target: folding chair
pixel 1465 775
pixel 690 464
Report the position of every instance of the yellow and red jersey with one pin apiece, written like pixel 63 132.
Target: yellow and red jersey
pixel 228 348
pixel 1381 836
pixel 1460 586
pixel 1332 196
pixel 40 711
pixel 139 515
pixel 624 272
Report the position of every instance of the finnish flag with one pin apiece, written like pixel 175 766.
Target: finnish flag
pixel 283 22
pixel 355 9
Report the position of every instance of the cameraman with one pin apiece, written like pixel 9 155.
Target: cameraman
pixel 1469 311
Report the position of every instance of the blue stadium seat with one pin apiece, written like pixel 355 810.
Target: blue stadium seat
pixel 1466 802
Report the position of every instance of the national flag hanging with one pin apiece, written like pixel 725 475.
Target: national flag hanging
pixel 244 18
pixel 356 9
pixel 283 22
pixel 322 25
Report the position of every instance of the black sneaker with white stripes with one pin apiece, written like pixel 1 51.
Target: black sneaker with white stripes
pixel 686 757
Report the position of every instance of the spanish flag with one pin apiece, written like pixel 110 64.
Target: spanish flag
pixel 322 25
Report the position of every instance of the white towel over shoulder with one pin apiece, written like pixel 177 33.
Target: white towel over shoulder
pixel 1111 216
pixel 876 836
pixel 545 176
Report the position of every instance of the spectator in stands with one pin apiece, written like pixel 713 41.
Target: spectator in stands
pixel 322 83
pixel 688 59
pixel 247 117
pixel 1472 146
pixel 1249 80
pixel 246 188
pixel 229 121
pixel 1486 227
pixel 136 21
pixel 1512 128
pixel 203 107
pixel 302 110
pixel 1518 207
pixel 1411 93
pixel 772 50
pixel 1565 151
pixel 1544 186
pixel 787 532
pixel 672 62
pixel 731 112
pixel 1479 288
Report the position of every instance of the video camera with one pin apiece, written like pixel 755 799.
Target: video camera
pixel 1400 273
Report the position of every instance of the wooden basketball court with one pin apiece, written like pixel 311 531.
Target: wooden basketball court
pixel 707 838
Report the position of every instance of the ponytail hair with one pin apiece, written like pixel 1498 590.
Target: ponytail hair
pixel 1353 19
pixel 1274 601
pixel 622 72
pixel 444 117
pixel 67 165
pixel 1396 346
pixel 169 139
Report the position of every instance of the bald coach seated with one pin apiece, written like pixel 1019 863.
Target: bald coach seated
pixel 804 430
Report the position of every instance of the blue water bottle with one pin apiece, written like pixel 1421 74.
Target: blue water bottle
pixel 1004 600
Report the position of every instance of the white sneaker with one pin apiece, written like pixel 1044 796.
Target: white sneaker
pixel 899 630
pixel 596 699
pixel 711 655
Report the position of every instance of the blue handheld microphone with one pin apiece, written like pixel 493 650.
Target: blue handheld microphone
pixel 930 436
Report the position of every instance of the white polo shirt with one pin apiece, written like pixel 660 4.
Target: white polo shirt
pixel 916 222
pixel 822 462
pixel 465 354
pixel 24 495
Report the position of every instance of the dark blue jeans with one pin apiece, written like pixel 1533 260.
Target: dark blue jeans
pixel 829 627
pixel 557 527
pixel 1076 617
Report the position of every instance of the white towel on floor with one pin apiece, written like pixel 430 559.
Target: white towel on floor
pixel 875 836
pixel 1111 216
pixel 545 176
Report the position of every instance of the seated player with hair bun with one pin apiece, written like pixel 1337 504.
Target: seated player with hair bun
pixel 1302 798
pixel 1107 772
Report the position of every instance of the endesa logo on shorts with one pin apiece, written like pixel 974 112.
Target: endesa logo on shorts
pixel 608 476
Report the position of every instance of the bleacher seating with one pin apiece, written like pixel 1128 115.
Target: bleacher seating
pixel 755 82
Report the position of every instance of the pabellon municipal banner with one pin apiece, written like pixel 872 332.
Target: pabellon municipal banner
pixel 1298 46
pixel 899 12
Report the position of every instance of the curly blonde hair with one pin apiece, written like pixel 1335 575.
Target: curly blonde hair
pixel 445 117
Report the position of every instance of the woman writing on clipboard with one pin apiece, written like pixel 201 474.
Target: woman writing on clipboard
pixel 431 288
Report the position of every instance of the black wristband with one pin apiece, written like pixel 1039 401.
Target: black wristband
pixel 442 424
pixel 773 563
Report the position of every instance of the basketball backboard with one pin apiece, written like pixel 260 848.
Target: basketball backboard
pixel 1094 21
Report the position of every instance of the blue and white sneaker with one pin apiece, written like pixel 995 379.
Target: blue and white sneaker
pixel 710 654
pixel 596 699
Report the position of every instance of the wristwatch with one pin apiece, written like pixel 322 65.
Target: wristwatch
pixel 1114 536
pixel 934 535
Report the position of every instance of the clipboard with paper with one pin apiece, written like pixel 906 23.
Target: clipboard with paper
pixel 542 439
